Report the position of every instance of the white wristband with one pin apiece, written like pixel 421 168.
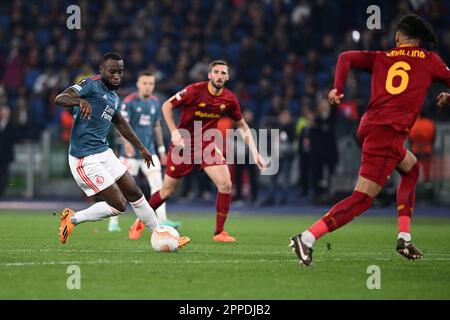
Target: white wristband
pixel 161 149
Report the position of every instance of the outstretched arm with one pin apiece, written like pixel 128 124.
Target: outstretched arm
pixel 127 132
pixel 441 74
pixel 247 136
pixel 362 60
pixel 167 111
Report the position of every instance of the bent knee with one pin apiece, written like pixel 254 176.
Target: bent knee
pixel 225 186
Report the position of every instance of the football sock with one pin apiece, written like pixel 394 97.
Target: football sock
pixel 404 235
pixel 223 202
pixel 155 182
pixel 156 200
pixel 161 213
pixel 341 213
pixel 308 238
pixel 406 194
pixel 96 212
pixel 145 213
pixel 114 220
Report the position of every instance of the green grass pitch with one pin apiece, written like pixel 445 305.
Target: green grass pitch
pixel 33 264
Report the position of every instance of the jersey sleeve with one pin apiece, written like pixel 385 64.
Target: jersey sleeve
pixel 235 111
pixel 83 87
pixel 440 71
pixel 362 60
pixel 183 97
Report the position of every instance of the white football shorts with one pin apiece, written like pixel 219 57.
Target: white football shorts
pixel 96 172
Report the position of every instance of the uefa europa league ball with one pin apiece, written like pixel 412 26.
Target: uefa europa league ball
pixel 164 239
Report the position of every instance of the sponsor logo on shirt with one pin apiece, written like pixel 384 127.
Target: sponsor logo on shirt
pixel 108 113
pixel 144 120
pixel 208 115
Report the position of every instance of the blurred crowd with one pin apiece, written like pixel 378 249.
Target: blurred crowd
pixel 282 53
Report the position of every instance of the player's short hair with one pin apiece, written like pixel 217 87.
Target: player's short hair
pixel 111 56
pixel 218 62
pixel 414 26
pixel 145 73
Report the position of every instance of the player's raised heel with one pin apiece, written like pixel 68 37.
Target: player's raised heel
pixel 183 241
pixel 303 252
pixel 408 249
pixel 66 226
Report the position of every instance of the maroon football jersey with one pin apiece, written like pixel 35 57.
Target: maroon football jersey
pixel 200 104
pixel 400 80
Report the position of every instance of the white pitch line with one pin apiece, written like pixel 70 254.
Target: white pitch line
pixel 46 263
pixel 352 255
pixel 237 261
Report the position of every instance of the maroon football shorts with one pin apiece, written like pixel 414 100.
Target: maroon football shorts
pixel 179 164
pixel 382 150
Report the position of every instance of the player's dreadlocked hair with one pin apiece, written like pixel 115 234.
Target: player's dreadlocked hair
pixel 111 55
pixel 415 27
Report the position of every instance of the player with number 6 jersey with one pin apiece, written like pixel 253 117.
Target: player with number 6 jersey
pixel 400 80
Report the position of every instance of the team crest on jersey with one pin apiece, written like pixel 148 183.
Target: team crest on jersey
pixel 139 109
pixel 222 107
pixel 202 104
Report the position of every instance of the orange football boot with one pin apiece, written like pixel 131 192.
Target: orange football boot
pixel 66 226
pixel 183 241
pixel 224 237
pixel 136 230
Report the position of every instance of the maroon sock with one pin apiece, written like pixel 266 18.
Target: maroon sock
pixel 156 200
pixel 405 198
pixel 223 202
pixel 342 213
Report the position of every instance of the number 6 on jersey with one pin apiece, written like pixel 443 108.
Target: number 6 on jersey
pixel 398 69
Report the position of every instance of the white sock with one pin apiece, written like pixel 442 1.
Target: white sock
pixel 114 220
pixel 405 236
pixel 96 212
pixel 161 213
pixel 145 213
pixel 155 182
pixel 308 238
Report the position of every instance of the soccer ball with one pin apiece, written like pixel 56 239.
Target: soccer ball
pixel 164 239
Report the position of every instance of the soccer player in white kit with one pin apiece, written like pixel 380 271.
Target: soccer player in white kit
pixel 94 166
pixel 142 110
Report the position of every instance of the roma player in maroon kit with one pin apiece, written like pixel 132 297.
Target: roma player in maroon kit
pixel 400 80
pixel 203 104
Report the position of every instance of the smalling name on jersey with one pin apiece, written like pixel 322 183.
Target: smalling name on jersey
pixel 407 53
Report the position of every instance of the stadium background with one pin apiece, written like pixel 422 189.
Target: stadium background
pixel 282 54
